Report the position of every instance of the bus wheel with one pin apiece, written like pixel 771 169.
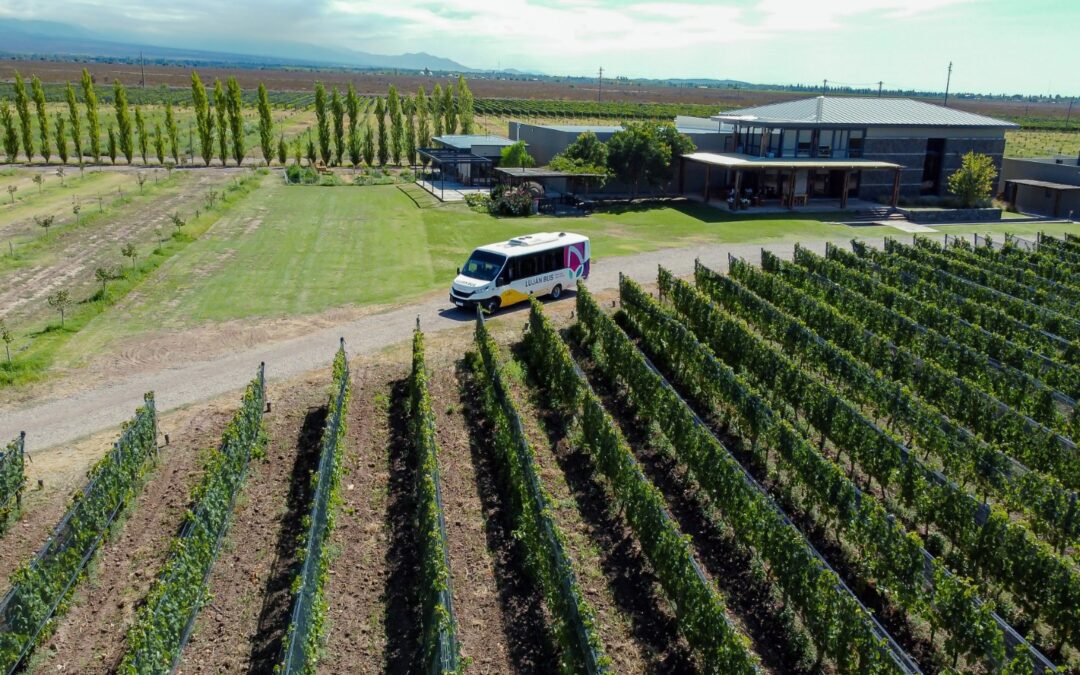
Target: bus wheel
pixel 556 292
pixel 491 306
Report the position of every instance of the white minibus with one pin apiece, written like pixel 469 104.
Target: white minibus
pixel 508 272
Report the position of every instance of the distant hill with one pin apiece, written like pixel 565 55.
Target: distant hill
pixel 50 39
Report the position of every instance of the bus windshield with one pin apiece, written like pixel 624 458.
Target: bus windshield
pixel 483 265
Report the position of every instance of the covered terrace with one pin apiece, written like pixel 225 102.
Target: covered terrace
pixel 746 180
pixel 453 169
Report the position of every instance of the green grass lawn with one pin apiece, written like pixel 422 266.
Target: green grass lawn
pixel 290 250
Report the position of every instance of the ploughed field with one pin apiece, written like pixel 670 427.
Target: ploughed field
pixel 856 462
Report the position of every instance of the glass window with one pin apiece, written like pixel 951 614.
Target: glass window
pixel 528 266
pixel 806 139
pixel 483 265
pixel 855 143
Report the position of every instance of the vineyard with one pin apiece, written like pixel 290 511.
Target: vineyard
pixel 856 462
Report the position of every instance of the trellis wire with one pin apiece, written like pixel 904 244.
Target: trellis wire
pixel 296 657
pixel 60 539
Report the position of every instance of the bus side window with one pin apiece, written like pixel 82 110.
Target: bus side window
pixel 528 266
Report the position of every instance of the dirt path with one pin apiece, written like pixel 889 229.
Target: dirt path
pixel 356 639
pixel 56 419
pixel 241 628
pixel 90 637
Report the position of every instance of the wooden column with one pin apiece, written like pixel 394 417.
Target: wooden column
pixel 789 197
pixel 682 175
pixel 896 188
pixel 708 175
pixel 844 192
pixel 738 188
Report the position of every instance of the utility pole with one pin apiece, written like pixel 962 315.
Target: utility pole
pixel 1068 113
pixel 600 85
pixel 824 87
pixel 879 88
pixel 948 80
pixel 142 71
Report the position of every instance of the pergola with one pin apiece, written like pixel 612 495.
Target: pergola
pixel 517 176
pixel 739 164
pixel 451 158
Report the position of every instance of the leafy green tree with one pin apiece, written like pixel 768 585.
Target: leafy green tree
pixel 296 151
pixel 638 153
pixel 356 149
pixel 466 113
pixel 266 125
pixel 159 144
pixel 423 130
pixel 11 135
pixel 436 109
pixel 352 106
pixel 61 140
pixel 22 106
pixel 140 129
pixel 337 109
pixel 410 136
pixel 236 120
pixel 204 120
pixel 678 144
pixel 282 151
pixel 172 132
pixel 380 120
pixel 60 301
pixel 393 108
pixel 74 122
pixel 322 122
pixel 112 145
pixel 93 126
pixel 123 121
pixel 369 145
pixel 42 116
pixel 221 112
pixel 973 182
pixel 449 107
pixel 311 156
pixel 587 154
pixel 516 156
pixel 128 250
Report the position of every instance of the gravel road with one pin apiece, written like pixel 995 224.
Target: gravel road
pixel 52 422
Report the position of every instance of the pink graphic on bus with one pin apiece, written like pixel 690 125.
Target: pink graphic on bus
pixel 574 260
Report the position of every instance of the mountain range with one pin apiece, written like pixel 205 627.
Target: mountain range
pixel 51 39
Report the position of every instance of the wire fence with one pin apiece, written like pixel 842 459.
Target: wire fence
pixel 593 659
pixel 301 643
pixel 163 626
pixel 12 477
pixel 39 588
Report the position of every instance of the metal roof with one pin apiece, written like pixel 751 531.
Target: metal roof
pixel 467 141
pixel 1042 184
pixel 542 172
pixel 733 161
pixel 582 128
pixel 861 111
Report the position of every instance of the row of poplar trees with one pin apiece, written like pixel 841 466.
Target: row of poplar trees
pixel 413 122
pixel 125 135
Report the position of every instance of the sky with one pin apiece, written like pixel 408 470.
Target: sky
pixel 1011 46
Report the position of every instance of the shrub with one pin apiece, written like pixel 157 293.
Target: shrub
pixel 301 175
pixel 506 201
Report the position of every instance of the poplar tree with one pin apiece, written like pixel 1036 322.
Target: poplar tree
pixel 450 110
pixel 221 109
pixel 92 125
pixel 61 140
pixel 140 130
pixel 236 120
pixel 410 136
pixel 42 116
pixel 282 151
pixel 380 118
pixel 266 125
pixel 393 107
pixel 465 106
pixel 74 122
pixel 159 144
pixel 436 109
pixel 123 121
pixel 112 145
pixel 369 145
pixel 337 109
pixel 322 127
pixel 352 105
pixel 11 135
pixel 22 106
pixel 311 156
pixel 423 130
pixel 204 120
pixel 172 132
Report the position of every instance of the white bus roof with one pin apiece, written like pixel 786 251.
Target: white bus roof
pixel 531 243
